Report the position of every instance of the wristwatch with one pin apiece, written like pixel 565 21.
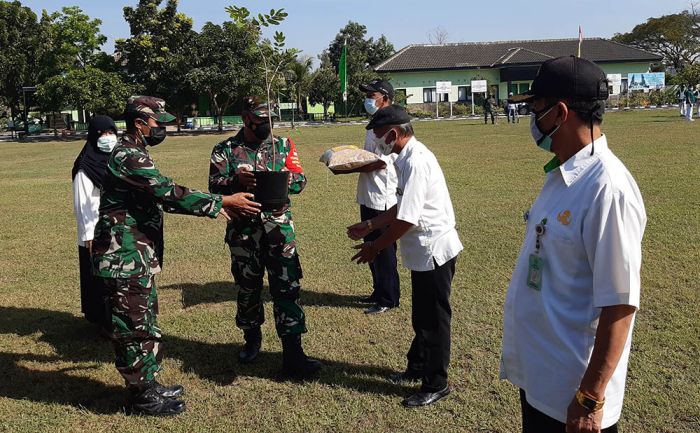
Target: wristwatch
pixel 589 402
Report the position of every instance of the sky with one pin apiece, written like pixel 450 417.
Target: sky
pixel 313 24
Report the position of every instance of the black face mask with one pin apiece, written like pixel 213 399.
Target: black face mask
pixel 155 137
pixel 261 130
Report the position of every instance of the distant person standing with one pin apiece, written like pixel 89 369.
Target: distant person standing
pixel 88 173
pixel 512 110
pixel 689 103
pixel 681 100
pixel 489 105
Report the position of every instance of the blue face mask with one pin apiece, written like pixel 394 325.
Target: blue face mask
pixel 544 141
pixel 371 106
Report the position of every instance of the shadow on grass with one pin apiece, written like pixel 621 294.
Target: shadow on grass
pixel 223 291
pixel 34 377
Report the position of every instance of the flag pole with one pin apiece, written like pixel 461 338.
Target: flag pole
pixel 580 39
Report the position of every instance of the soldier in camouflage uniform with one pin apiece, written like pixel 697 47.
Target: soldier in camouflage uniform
pixel 127 249
pixel 265 241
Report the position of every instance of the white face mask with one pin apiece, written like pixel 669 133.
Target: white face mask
pixel 107 142
pixel 371 106
pixel 381 144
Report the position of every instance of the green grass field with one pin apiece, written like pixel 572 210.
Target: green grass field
pixel 57 375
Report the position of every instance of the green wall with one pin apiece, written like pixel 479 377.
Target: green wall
pixel 414 82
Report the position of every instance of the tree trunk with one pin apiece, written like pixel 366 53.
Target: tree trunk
pixel 221 120
pixel 55 131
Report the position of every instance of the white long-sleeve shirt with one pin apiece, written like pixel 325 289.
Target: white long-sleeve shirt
pixel 86 206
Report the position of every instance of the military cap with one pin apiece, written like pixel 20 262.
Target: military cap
pixel 254 106
pixel 391 115
pixel 149 106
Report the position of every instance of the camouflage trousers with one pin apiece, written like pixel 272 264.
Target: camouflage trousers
pixel 266 243
pixel 136 336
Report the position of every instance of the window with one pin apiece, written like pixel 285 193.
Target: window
pixel 429 94
pixel 464 93
pixel 444 97
pixel 400 96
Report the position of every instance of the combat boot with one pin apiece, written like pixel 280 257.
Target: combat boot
pixel 169 391
pixel 253 341
pixel 148 401
pixel 295 363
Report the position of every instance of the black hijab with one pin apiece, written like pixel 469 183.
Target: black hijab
pixel 91 159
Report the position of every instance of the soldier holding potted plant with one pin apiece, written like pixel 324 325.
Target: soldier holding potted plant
pixel 250 161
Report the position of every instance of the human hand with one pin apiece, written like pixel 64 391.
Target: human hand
pixel 359 230
pixel 367 253
pixel 581 420
pixel 88 245
pixel 245 175
pixel 241 204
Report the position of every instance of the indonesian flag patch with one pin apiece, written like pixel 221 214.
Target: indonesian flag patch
pixel 292 163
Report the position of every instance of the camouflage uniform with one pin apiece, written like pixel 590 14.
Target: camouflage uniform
pixel 127 251
pixel 266 241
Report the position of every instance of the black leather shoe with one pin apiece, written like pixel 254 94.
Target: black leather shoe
pixel 149 402
pixel 425 398
pixel 169 391
pixel 406 376
pixel 253 342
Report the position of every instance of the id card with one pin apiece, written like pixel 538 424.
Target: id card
pixel 534 272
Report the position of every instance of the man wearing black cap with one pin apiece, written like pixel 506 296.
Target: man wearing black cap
pixel 575 288
pixel 127 251
pixel 376 192
pixel 424 220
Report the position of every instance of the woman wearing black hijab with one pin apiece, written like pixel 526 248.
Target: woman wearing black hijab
pixel 88 172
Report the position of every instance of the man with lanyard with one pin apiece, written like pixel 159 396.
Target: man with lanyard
pixel 424 220
pixel 266 241
pixel 376 193
pixel 127 251
pixel 570 306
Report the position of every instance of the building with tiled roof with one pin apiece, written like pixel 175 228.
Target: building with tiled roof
pixel 508 66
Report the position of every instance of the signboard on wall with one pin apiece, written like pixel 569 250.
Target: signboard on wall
pixel 647 81
pixel 615 83
pixel 443 86
pixel 480 86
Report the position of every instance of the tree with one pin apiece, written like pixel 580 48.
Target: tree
pixel 324 86
pixel 689 76
pixel 363 54
pixel 71 40
pixel 96 91
pixel 226 65
pixel 298 78
pixel 438 36
pixel 674 37
pixel 19 37
pixel 156 55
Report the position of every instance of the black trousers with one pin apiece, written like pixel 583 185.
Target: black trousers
pixel 431 316
pixel 486 116
pixel 94 302
pixel 385 276
pixel 535 421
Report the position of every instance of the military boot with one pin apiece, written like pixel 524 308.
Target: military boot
pixel 295 363
pixel 251 350
pixel 148 401
pixel 169 391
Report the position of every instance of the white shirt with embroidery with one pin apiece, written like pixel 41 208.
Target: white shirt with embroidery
pixel 424 201
pixel 377 189
pixel 591 248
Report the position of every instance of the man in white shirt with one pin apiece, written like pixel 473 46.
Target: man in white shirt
pixel 376 193
pixel 572 299
pixel 424 220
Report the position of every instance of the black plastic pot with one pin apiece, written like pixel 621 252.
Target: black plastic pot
pixel 272 189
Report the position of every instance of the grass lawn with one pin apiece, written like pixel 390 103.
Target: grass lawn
pixel 57 375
